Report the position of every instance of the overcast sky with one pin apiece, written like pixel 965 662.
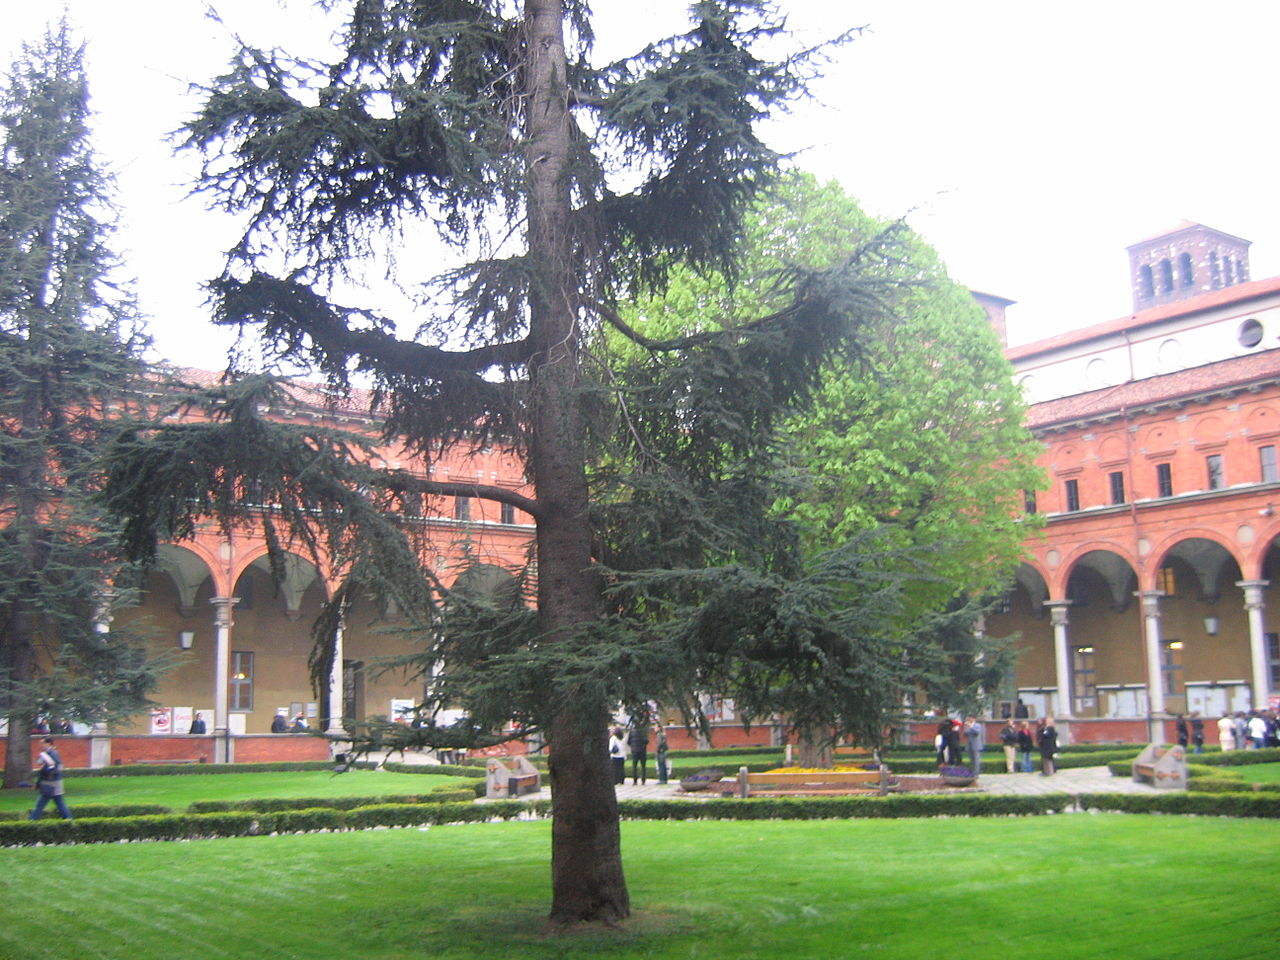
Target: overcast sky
pixel 1031 143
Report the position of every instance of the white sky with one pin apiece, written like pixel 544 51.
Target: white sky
pixel 1033 142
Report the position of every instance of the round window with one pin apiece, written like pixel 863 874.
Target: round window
pixel 1250 334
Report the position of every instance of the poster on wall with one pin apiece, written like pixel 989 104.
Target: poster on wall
pixel 161 720
pixel 401 710
pixel 182 719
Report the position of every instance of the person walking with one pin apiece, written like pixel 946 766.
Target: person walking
pixel 975 739
pixel 618 755
pixel 1047 741
pixel 1025 745
pixel 49 782
pixel 1009 740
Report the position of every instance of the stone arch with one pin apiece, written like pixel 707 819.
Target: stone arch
pixel 188 568
pixel 1206 554
pixel 1100 571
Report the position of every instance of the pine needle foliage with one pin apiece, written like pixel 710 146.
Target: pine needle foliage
pixel 70 362
pixel 565 188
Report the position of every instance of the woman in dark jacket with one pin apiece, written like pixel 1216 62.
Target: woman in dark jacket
pixel 1047 741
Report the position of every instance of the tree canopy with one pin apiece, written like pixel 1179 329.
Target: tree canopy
pixel 70 361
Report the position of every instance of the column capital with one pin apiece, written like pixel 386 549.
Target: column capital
pixel 1253 591
pixel 1058 610
pixel 222 607
pixel 1150 600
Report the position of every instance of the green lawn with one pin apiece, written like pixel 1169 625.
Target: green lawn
pixel 1046 888
pixel 180 790
pixel 1261 772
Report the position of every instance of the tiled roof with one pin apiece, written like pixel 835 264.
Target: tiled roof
pixel 1240 292
pixel 1224 375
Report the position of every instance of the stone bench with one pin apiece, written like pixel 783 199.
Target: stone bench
pixel 1161 766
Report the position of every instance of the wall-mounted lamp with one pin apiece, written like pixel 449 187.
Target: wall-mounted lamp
pixel 186 638
pixel 1211 625
pixel 1267 511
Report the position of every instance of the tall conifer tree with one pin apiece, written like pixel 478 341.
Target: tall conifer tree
pixel 662 569
pixel 69 355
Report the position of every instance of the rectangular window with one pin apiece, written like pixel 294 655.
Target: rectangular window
pixel 241 692
pixel 1073 495
pixel 508 513
pixel 1267 464
pixel 462 508
pixel 1082 679
pixel 1273 658
pixel 1117 487
pixel 1029 500
pixel 1213 465
pixel 1171 667
pixel 1164 479
pixel 1166 583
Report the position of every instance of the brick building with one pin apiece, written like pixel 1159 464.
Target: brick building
pixel 243 641
pixel 1153 590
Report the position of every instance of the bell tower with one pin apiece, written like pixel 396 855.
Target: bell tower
pixel 1185 262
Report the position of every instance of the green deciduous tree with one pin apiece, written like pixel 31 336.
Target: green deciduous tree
pixel 662 564
pixel 919 440
pixel 69 356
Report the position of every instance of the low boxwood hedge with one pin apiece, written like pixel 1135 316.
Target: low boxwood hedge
pixel 164 769
pixel 99 810
pixel 1178 802
pixel 245 824
pixel 272 804
pixel 842 808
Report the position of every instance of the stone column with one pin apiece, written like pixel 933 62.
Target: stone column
pixel 1255 606
pixel 1155 676
pixel 100 736
pixel 335 681
pixel 1061 656
pixel 222 624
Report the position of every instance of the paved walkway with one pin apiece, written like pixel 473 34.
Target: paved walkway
pixel 1073 781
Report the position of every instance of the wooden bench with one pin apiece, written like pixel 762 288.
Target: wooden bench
pixel 820 783
pixel 529 783
pixel 1161 766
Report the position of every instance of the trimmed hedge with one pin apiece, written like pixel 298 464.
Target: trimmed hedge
pixel 98 810
pixel 244 824
pixel 164 769
pixel 275 804
pixel 440 769
pixel 843 808
pixel 256 823
pixel 1178 802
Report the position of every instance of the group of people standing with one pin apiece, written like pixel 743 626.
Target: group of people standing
pixel 634 742
pixel 1019 741
pixel 1246 731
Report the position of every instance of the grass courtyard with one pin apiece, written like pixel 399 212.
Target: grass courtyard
pixel 178 792
pixel 1058 888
